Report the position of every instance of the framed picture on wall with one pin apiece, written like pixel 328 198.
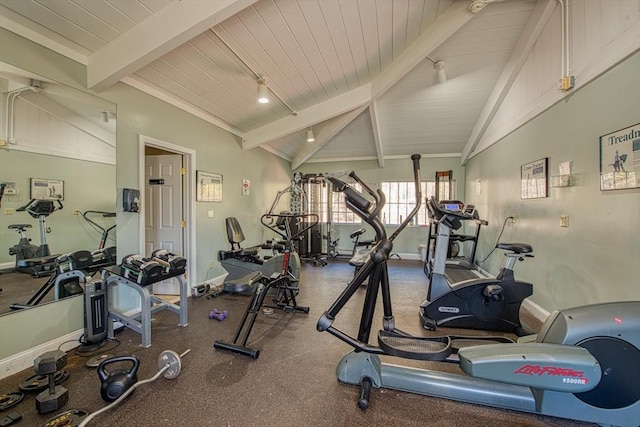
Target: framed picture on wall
pixel 47 189
pixel 619 155
pixel 534 179
pixel 208 187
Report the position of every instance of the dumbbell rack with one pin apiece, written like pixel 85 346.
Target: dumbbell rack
pixel 141 322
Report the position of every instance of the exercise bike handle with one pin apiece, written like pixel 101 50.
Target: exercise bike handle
pixel 27 206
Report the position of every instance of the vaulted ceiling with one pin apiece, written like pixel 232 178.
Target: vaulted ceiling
pixel 361 74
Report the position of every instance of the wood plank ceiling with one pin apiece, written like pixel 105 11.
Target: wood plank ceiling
pixel 360 73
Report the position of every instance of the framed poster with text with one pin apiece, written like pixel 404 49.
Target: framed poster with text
pixel 47 189
pixel 620 159
pixel 534 179
pixel 208 187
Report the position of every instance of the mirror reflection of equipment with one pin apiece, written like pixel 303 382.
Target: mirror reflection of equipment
pixel 35 260
pixel 82 109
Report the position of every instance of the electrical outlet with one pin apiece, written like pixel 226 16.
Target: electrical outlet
pixel 210 213
pixel 8 211
pixel 564 221
pixel 76 212
pixel 212 264
pixel 513 219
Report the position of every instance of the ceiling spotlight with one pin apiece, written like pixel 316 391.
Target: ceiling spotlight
pixel 263 91
pixel 310 136
pixel 440 71
pixel 477 5
pixel 105 116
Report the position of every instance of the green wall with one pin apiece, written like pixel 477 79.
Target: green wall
pixel 595 259
pixel 87 186
pixel 140 114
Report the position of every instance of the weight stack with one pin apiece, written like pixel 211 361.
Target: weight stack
pixel 96 313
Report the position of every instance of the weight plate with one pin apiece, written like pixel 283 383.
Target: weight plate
pixel 37 382
pixel 172 359
pixel 10 399
pixel 70 418
pixel 95 360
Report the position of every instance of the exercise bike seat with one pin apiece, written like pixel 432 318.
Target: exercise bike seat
pixel 356 233
pixel 19 226
pixel 518 248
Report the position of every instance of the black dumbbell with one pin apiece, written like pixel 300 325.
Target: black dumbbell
pixel 55 396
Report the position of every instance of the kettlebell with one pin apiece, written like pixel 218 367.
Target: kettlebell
pixel 115 383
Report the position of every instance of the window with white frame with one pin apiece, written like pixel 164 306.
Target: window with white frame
pixel 340 213
pixel 401 200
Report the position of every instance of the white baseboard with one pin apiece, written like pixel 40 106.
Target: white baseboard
pixel 21 361
pixel 7 265
pixel 407 256
pixel 411 256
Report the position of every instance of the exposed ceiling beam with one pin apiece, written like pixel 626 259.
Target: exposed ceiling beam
pixel 446 25
pixel 375 127
pixel 318 113
pixel 172 26
pixel 325 135
pixel 537 21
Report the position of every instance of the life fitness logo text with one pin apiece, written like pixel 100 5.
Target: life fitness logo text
pixel 570 376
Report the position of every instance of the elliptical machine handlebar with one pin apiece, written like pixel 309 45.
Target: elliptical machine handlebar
pixel 418 192
pixel 361 206
pixel 104 231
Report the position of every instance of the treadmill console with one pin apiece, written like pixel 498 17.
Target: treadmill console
pixel 458 206
pixel 452 205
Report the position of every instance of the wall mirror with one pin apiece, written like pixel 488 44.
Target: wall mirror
pixel 59 141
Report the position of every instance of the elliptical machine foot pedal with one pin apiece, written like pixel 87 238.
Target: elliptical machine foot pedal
pixel 417 348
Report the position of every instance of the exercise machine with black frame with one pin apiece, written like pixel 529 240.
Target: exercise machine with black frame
pixel 283 286
pixel 35 260
pixel 582 364
pixel 475 300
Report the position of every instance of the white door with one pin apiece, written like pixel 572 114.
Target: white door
pixel 163 211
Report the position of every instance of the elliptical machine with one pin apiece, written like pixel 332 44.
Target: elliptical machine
pixel 480 303
pixel 582 364
pixel 32 259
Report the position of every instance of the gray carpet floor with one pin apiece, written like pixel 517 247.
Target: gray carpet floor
pixel 292 383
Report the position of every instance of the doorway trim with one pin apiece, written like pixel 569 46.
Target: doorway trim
pixel 189 163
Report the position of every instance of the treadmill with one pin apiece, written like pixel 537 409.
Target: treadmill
pixel 457 268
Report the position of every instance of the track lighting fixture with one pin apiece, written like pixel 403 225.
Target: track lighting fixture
pixel 263 91
pixel 439 66
pixel 310 136
pixel 440 71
